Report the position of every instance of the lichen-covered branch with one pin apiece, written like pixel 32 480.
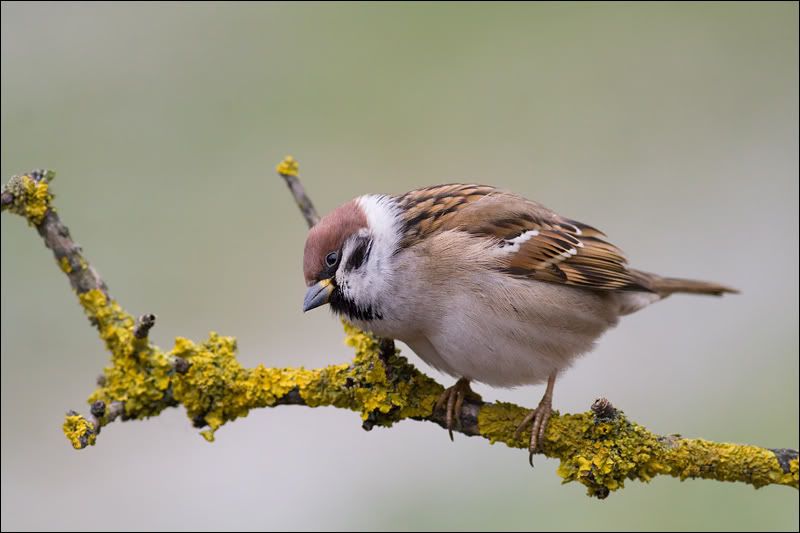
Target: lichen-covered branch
pixel 600 448
pixel 29 196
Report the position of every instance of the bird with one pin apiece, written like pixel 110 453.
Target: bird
pixel 481 283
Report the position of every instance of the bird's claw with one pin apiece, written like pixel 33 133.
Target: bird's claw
pixel 537 419
pixel 453 400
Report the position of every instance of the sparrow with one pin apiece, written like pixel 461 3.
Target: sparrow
pixel 482 284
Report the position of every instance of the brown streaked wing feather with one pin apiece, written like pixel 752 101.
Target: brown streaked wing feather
pixel 564 250
pixel 433 209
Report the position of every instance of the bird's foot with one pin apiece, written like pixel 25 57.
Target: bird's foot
pixel 453 399
pixel 537 419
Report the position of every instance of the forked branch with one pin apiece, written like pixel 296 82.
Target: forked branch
pixel 600 448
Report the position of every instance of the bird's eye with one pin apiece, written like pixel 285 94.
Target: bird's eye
pixel 331 259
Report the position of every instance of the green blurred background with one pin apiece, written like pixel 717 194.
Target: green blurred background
pixel 673 127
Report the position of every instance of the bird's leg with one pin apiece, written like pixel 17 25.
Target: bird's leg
pixel 538 418
pixel 453 399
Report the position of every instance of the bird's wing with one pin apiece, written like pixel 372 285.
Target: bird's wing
pixel 539 243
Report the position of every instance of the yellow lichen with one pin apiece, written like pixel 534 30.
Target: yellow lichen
pixel 288 167
pixel 65 266
pixel 38 200
pixel 140 374
pixel 408 393
pixel 217 389
pixel 214 388
pixel 791 477
pixel 79 431
pixel 603 454
pixel 499 421
pixel 31 197
pixel 114 324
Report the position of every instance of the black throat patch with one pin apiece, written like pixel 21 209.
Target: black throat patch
pixel 343 306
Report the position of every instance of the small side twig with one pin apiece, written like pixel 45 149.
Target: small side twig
pixel 288 170
pixel 143 325
pixel 603 410
pixel 181 365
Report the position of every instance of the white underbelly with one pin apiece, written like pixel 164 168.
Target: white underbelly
pixel 517 332
pixel 474 321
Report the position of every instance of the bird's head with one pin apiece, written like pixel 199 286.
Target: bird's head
pixel 347 257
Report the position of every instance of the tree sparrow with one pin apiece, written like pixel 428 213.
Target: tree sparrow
pixel 481 283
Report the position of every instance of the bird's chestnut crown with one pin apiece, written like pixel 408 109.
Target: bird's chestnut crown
pixel 324 243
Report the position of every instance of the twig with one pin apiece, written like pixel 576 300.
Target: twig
pixel 143 326
pixel 29 195
pixel 288 170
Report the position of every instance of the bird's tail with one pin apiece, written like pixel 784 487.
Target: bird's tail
pixel 666 286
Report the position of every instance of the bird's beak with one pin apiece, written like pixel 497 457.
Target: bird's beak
pixel 318 294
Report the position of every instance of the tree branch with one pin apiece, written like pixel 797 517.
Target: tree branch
pixel 600 448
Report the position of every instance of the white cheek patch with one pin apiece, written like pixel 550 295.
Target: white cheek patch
pixel 368 284
pixel 383 218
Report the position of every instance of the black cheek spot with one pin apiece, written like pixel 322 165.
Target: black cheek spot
pixel 359 255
